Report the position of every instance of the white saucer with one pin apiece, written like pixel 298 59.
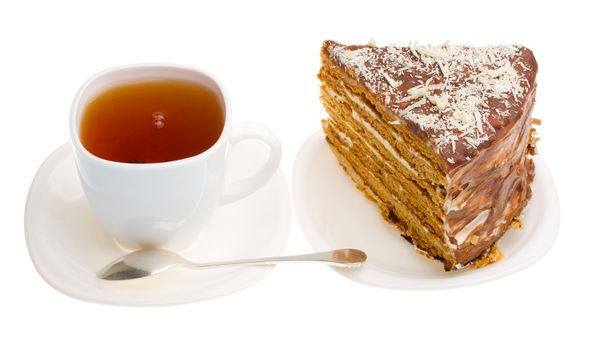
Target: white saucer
pixel 334 214
pixel 68 246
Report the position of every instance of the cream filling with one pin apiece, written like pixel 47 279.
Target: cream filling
pixel 360 103
pixel 335 95
pixel 447 241
pixel 376 152
pixel 345 138
pixel 384 142
pixel 467 230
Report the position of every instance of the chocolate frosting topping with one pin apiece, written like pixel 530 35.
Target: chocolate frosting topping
pixel 458 99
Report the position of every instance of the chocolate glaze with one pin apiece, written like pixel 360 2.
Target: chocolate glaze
pixel 376 85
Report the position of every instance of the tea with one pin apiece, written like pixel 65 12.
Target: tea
pixel 152 121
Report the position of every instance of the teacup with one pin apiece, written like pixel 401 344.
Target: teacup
pixel 146 205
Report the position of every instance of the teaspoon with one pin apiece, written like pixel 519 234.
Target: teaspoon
pixel 148 262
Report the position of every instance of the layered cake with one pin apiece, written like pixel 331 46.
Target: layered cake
pixel 439 137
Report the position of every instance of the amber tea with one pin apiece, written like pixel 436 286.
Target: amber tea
pixel 152 121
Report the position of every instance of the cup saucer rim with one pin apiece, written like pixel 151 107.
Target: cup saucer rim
pixel 39 252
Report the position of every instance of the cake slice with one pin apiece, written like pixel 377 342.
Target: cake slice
pixel 440 138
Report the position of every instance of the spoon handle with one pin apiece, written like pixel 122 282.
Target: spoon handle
pixel 339 257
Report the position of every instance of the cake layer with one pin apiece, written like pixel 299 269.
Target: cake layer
pixel 420 157
pixel 394 146
pixel 392 208
pixel 377 160
pixel 372 162
pixel 348 117
pixel 401 200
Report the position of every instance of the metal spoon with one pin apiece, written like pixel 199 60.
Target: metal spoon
pixel 148 262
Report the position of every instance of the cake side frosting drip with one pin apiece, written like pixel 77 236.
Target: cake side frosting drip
pixel 487 194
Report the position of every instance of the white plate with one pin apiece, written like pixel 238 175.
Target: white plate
pixel 334 214
pixel 68 246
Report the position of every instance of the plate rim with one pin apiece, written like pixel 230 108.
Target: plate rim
pixel 551 225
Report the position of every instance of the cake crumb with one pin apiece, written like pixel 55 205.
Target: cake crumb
pixel 422 252
pixel 474 240
pixel 517 223
pixel 493 255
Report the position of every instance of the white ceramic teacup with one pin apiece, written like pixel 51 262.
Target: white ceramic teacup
pixel 148 204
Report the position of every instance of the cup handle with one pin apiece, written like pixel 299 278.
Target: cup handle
pixel 238 189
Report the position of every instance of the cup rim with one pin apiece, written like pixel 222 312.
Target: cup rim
pixel 75 132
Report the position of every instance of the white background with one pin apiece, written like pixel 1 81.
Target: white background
pixel 268 56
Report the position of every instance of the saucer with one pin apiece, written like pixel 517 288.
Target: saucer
pixel 68 246
pixel 334 214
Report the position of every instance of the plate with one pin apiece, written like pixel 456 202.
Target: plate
pixel 334 214
pixel 68 246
